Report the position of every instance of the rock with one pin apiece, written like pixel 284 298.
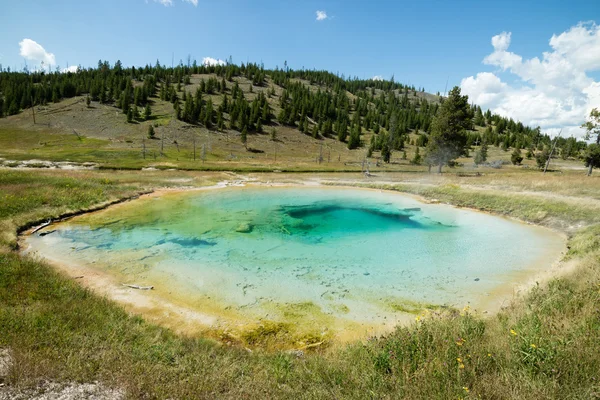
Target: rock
pixel 5 362
pixel 476 279
pixel 244 228
pixel 63 391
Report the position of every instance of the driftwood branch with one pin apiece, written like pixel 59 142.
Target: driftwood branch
pixel 45 224
pixel 139 287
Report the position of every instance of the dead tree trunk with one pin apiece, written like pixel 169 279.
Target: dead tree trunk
pixel 551 152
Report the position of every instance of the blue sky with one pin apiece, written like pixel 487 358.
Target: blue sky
pixel 423 43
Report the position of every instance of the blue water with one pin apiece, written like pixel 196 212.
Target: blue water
pixel 359 255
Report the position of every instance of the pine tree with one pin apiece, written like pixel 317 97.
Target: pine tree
pixel 484 151
pixel 208 114
pixel 417 158
pixel 592 157
pixel 386 153
pixel 125 102
pixel 542 158
pixel 177 109
pixel 592 127
pixel 244 138
pixel 530 154
pixel 516 156
pixel 147 112
pixel 130 115
pixel 448 138
pixel 342 132
pixel 220 121
pixel 354 140
pixel 481 155
pixel 150 132
pixel 88 101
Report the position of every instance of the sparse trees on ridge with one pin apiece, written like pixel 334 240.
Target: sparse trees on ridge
pixel 318 103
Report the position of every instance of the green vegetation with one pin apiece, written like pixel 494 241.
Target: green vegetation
pixel 516 157
pixel 592 155
pixel 26 200
pixel 211 105
pixel 545 345
pixel 448 135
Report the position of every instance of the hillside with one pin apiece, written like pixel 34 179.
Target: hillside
pixel 295 120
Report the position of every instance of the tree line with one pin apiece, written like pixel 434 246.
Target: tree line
pixel 339 107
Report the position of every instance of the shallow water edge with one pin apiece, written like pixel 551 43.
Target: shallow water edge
pixel 189 313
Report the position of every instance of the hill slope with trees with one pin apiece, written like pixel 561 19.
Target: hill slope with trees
pixel 299 109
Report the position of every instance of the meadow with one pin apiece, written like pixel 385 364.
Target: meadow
pixel 544 344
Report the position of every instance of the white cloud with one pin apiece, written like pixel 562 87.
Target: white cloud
pixel 377 78
pixel 194 2
pixel 33 51
pixel 209 61
pixel 321 15
pixel 486 88
pixel 501 41
pixel 553 91
pixel 580 44
pixel 72 68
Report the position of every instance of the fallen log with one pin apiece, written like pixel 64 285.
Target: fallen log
pixel 139 287
pixel 45 224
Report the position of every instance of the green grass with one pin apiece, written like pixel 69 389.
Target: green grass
pixel 546 345
pixel 25 200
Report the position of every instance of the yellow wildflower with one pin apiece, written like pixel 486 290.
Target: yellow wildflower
pixel 418 318
pixel 513 332
pixel 459 359
pixel 460 341
pixel 461 366
pixel 489 354
pixel 466 389
pixel 533 346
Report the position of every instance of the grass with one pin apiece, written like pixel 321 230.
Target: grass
pixel 546 345
pixel 555 213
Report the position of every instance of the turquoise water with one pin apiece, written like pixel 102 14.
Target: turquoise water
pixel 358 255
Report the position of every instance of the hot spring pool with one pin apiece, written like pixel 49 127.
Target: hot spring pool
pixel 326 256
